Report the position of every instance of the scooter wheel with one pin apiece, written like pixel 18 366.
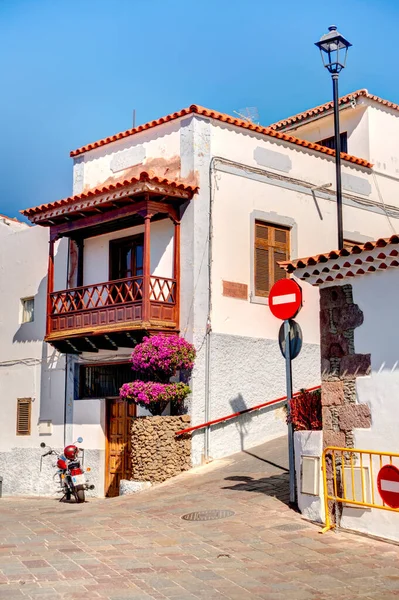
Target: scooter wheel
pixel 80 494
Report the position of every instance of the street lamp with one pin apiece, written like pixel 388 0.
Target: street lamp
pixel 334 49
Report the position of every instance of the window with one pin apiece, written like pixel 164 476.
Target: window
pixel 23 416
pixel 330 142
pixel 272 244
pixel 28 310
pixel 102 381
pixel 126 257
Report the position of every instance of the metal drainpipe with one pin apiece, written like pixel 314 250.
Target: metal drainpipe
pixel 208 322
pixel 66 355
pixel 207 396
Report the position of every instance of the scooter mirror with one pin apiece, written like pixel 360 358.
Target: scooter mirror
pixel 79 440
pixel 42 445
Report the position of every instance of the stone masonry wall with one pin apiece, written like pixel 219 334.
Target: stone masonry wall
pixel 340 365
pixel 157 454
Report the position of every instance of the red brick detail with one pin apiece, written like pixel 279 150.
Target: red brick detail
pixel 354 415
pixel 334 438
pixel 332 393
pixel 235 290
pixel 355 365
pixel 348 317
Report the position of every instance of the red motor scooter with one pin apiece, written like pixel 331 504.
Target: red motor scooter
pixel 70 473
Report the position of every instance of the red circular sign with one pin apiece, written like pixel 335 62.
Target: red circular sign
pixel 285 299
pixel 388 485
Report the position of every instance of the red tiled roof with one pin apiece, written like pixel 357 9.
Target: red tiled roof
pixel 317 110
pixel 144 176
pixel 301 263
pixel 213 114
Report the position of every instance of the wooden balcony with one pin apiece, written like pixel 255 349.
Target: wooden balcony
pixel 105 310
pixel 117 313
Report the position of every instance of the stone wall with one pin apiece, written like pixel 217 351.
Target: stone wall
pixel 157 454
pixel 340 365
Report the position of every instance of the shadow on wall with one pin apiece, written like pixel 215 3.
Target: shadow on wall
pixel 243 422
pixel 35 330
pixel 52 364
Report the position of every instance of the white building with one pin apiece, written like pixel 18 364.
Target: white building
pixel 360 381
pixel 222 201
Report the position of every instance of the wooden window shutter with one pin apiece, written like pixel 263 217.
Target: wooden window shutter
pixel 24 416
pixel 271 246
pixel 262 259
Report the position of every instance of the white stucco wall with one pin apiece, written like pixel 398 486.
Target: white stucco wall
pixel 352 120
pixel 384 132
pixel 96 251
pixel 110 161
pixel 29 368
pixel 241 328
pixel 376 295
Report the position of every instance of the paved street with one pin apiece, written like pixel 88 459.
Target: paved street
pixel 140 548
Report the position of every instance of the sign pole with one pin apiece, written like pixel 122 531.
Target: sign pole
pixel 288 377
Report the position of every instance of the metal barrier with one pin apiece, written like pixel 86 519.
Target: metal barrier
pixel 351 477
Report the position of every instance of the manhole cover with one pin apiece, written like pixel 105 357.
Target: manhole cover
pixel 208 515
pixel 290 527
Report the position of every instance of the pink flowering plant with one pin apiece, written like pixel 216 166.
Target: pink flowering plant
pixel 153 395
pixel 163 355
pixel 159 358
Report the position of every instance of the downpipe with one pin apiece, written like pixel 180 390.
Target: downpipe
pixel 207 387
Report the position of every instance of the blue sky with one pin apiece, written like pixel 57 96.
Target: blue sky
pixel 73 70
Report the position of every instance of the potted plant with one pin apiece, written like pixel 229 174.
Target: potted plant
pixel 306 418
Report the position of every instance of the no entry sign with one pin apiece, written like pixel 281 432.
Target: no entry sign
pixel 285 299
pixel 388 485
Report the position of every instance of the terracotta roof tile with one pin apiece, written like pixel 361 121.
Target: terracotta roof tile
pixel 144 176
pixel 213 114
pixel 301 263
pixel 317 110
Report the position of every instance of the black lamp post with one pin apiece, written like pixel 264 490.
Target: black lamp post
pixel 333 49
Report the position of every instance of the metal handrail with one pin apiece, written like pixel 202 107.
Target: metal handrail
pixel 242 412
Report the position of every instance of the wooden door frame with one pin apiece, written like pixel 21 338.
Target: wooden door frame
pixel 107 426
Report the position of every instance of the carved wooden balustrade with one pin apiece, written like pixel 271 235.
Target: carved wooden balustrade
pixel 120 303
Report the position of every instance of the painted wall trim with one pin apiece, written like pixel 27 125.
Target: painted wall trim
pixel 264 176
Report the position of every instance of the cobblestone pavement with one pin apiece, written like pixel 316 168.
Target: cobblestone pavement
pixel 140 548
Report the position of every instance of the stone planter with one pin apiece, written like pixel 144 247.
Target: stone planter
pixel 309 477
pixel 157 454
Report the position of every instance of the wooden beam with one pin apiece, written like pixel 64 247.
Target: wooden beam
pixel 79 274
pixel 112 215
pixel 176 270
pixel 147 266
pixel 50 283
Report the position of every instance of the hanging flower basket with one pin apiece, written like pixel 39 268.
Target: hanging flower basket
pixel 154 396
pixel 163 355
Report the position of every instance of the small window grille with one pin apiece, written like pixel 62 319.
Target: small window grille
pixel 28 310
pixel 24 416
pixel 104 381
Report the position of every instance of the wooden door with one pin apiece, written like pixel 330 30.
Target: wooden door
pixel 118 461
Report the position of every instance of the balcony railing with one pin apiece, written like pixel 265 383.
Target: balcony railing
pixel 112 304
